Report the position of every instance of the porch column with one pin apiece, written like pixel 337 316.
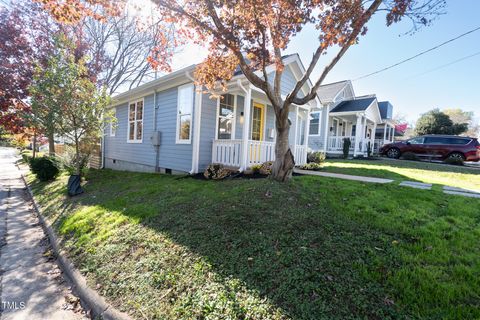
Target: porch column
pixel 385 132
pixel 246 129
pixel 359 132
pixel 374 132
pixel 295 136
pixel 393 134
pixel 307 128
pixel 326 129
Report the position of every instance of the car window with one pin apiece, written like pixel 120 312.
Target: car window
pixel 459 141
pixel 437 140
pixel 418 140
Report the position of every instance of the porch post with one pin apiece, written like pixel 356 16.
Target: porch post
pixel 385 132
pixel 246 129
pixel 374 132
pixel 326 129
pixel 307 128
pixel 393 134
pixel 358 134
pixel 295 136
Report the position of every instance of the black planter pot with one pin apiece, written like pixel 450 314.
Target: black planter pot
pixel 73 186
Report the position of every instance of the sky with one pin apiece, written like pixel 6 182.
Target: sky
pixel 416 86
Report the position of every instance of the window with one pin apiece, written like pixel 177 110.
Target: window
pixel 113 124
pixel 184 113
pixel 226 116
pixel 135 121
pixel 354 130
pixel 314 123
pixel 418 140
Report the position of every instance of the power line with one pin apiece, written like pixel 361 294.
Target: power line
pixel 445 65
pixel 417 55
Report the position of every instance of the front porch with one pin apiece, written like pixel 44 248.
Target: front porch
pixel 244 106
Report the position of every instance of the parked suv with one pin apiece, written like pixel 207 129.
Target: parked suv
pixel 436 147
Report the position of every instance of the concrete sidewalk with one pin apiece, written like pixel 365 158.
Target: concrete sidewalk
pixel 31 284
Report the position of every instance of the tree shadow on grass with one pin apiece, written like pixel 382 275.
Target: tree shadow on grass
pixel 283 241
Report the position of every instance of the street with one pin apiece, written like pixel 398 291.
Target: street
pixel 31 284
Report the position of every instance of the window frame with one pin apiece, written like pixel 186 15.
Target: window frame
pixel 310 122
pixel 178 117
pixel 232 136
pixel 135 121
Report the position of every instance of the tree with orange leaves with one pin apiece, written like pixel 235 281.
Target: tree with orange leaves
pixel 253 35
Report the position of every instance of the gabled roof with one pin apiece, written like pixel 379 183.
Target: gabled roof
pixel 328 92
pixel 361 104
pixel 386 109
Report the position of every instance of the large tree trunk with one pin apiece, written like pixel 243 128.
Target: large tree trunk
pixel 51 144
pixel 283 166
pixel 77 156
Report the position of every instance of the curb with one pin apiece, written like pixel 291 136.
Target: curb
pixel 100 309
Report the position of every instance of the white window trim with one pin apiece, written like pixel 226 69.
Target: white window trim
pixel 177 131
pixel 234 126
pixel 319 127
pixel 135 140
pixel 114 124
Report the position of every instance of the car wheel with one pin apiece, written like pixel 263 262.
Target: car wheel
pixel 456 156
pixel 393 153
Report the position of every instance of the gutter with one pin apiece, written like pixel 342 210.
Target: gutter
pixel 197 120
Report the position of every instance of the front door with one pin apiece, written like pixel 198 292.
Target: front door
pixel 257 132
pixel 257 121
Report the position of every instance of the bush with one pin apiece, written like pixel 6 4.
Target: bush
pixel 316 157
pixel 45 168
pixel 311 166
pixel 217 172
pixel 346 147
pixel 409 156
pixel 26 157
pixel 266 168
pixel 256 168
pixel 454 161
pixel 69 161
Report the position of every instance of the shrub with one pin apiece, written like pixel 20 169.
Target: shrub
pixel 409 156
pixel 316 157
pixel 256 168
pixel 346 147
pixel 454 161
pixel 26 157
pixel 216 172
pixel 369 149
pixel 45 168
pixel 266 168
pixel 69 161
pixel 311 166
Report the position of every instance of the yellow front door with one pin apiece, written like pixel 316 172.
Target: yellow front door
pixel 257 121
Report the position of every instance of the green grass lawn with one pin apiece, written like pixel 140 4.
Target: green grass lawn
pixel 163 247
pixel 400 170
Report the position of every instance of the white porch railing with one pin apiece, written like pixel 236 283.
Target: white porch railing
pixel 259 152
pixel 227 152
pixel 336 143
pixel 300 154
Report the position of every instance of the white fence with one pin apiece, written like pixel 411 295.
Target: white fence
pixel 229 152
pixel 336 143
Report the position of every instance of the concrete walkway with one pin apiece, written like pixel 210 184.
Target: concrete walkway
pixel 343 176
pixel 31 284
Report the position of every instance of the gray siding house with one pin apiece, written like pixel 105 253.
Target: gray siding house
pixel 168 125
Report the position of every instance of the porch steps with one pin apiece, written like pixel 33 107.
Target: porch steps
pixel 343 176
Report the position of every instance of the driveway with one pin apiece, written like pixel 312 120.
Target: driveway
pixel 31 284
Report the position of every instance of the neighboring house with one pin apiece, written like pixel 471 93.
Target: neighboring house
pixel 385 132
pixel 345 116
pixel 168 125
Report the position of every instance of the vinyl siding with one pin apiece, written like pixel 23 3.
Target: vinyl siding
pixel 207 131
pixel 171 155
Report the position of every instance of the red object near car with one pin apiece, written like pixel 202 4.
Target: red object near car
pixel 438 147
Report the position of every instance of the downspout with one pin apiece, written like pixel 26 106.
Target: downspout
pixel 157 147
pixel 102 141
pixel 246 125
